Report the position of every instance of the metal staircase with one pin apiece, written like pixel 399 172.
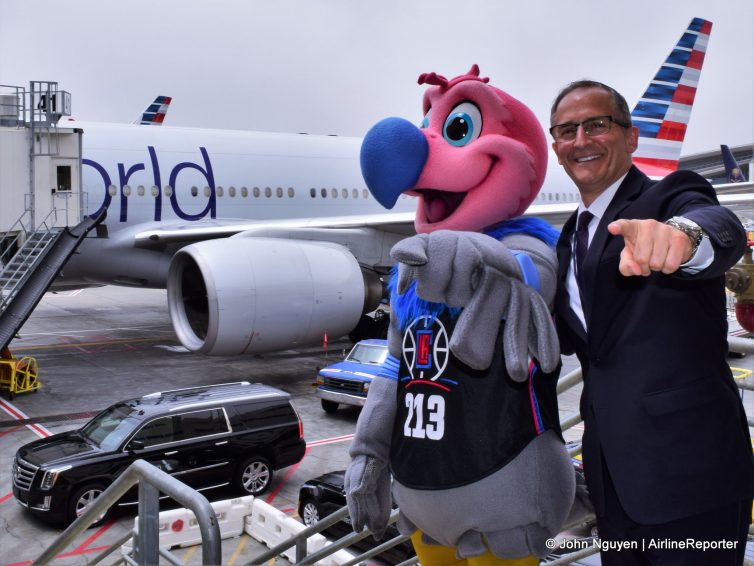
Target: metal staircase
pixel 30 271
pixel 31 253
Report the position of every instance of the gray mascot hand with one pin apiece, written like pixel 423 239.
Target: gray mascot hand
pixel 480 274
pixel 367 485
pixel 367 481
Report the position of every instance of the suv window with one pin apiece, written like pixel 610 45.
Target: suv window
pixel 199 423
pixel 183 427
pixel 108 429
pixel 257 415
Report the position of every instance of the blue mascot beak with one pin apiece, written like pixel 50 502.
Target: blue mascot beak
pixel 393 155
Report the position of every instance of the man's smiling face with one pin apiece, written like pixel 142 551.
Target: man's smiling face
pixel 593 162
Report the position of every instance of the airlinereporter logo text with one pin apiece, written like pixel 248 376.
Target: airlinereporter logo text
pixel 574 544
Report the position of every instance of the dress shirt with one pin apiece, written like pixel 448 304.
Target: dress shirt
pixel 703 257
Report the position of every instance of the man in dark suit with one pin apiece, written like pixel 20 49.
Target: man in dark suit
pixel 641 302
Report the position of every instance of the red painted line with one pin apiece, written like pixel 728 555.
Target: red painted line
pixel 78 552
pixel 12 411
pixel 66 555
pixel 14 429
pixel 6 497
pixel 102 530
pixel 39 430
pixel 274 494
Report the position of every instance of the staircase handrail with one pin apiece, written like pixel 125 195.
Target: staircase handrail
pixel 13 232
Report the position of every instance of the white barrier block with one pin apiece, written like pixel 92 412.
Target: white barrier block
pixel 271 527
pixel 266 523
pixel 179 527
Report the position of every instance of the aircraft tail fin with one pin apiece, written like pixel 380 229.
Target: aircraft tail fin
pixel 155 112
pixel 732 169
pixel 662 113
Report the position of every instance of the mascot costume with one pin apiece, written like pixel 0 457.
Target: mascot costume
pixel 464 416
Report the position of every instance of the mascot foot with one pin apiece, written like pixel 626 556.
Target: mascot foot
pixel 437 555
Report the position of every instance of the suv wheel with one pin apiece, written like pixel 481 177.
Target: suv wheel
pixel 82 498
pixel 310 512
pixel 254 475
pixel 329 406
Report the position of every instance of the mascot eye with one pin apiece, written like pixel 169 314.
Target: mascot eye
pixel 463 125
pixel 425 120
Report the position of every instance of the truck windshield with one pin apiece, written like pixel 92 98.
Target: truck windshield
pixel 367 354
pixel 108 429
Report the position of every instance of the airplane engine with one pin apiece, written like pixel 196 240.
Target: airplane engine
pixel 254 295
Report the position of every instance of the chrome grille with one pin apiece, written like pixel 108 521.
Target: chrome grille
pixel 23 474
pixel 345 385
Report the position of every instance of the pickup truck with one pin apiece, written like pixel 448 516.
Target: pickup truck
pixel 347 382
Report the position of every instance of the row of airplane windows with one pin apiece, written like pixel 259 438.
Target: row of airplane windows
pixel 256 192
pixel 557 197
pixel 279 192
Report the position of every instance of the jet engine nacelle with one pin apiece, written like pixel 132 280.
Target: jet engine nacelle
pixel 252 295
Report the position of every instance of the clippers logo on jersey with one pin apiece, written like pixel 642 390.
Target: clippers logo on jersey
pixel 423 354
pixel 425 349
pixel 662 113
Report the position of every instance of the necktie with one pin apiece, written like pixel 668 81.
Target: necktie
pixel 582 240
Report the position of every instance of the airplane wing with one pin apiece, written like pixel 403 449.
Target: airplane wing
pixel 397 223
pixel 158 238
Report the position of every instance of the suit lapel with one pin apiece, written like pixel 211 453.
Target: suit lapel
pixel 628 191
pixel 562 298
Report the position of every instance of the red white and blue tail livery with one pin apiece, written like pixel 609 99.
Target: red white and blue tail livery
pixel 155 112
pixel 662 113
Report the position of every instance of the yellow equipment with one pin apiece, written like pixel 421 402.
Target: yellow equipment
pixel 18 375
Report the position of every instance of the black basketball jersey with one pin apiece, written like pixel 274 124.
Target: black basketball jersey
pixel 455 425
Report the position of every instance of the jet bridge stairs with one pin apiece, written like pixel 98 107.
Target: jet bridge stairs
pixel 29 262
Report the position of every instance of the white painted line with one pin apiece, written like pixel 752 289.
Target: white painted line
pixel 19 415
pixel 329 440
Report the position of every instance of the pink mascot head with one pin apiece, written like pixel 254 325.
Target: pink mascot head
pixel 478 159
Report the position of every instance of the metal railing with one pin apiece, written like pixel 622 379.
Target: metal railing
pixel 565 383
pixel 146 550
pixel 299 542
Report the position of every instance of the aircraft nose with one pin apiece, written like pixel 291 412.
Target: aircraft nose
pixel 393 155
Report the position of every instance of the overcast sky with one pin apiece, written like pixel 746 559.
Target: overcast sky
pixel 338 66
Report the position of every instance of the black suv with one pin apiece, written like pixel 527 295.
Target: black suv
pixel 324 495
pixel 204 436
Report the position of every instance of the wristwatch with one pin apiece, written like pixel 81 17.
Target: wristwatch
pixel 691 229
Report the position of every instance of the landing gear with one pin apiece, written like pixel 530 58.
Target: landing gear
pixel 371 326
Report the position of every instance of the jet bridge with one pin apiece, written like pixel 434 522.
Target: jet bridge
pixel 40 197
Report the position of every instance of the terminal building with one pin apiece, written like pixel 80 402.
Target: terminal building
pixel 710 164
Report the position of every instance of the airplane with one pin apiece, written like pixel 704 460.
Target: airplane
pixel 268 241
pixel 732 169
pixel 155 113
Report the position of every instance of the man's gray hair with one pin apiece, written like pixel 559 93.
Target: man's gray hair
pixel 620 106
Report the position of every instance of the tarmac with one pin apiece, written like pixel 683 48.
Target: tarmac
pixel 100 345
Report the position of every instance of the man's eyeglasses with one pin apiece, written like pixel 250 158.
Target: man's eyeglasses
pixel 592 127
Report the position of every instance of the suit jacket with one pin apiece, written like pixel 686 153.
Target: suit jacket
pixel 659 402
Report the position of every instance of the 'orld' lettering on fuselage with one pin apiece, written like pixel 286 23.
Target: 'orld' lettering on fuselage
pixel 124 174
